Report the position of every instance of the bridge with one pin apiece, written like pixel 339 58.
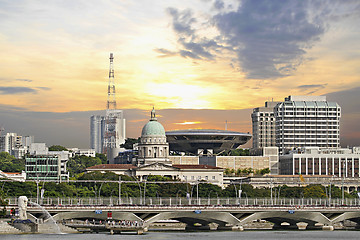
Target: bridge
pixel 226 214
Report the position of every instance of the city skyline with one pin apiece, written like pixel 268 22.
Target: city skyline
pixel 222 56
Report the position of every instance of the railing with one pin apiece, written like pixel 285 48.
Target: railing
pixel 180 201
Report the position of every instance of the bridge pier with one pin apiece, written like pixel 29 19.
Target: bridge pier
pixel 328 228
pixel 197 227
pixel 231 228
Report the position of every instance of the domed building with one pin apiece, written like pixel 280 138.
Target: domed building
pixel 153 146
pixel 153 159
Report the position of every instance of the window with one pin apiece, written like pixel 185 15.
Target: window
pixel 213 177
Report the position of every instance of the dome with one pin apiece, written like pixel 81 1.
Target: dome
pixel 153 128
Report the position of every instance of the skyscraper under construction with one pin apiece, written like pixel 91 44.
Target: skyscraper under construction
pixel 109 131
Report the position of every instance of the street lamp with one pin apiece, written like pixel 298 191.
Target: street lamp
pixel 139 188
pixel 177 200
pixel 145 188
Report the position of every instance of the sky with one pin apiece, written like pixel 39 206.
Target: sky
pixel 199 62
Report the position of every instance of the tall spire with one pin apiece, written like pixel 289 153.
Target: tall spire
pixel 111 99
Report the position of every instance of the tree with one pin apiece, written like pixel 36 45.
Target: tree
pixel 78 164
pixel 9 163
pixel 102 157
pixel 57 148
pixel 129 142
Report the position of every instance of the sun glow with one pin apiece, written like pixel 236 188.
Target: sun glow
pixel 181 95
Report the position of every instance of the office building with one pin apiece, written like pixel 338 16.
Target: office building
pixel 263 126
pixel 47 166
pixel 307 121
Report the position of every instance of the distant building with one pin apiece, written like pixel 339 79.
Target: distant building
pixel 97 133
pixel 263 126
pixel 15 144
pixel 79 152
pixel 267 157
pixel 307 121
pixel 340 162
pixel 153 159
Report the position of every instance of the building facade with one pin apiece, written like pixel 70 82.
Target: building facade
pixel 97 133
pixel 340 162
pixel 49 166
pixel 153 146
pixel 263 126
pixel 307 121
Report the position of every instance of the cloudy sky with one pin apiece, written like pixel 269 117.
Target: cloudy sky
pixel 223 57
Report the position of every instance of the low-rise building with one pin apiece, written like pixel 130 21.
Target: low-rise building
pixel 79 152
pixel 341 162
pixel 47 166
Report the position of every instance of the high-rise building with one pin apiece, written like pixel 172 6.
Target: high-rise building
pixel 107 132
pixel 263 125
pixel 97 133
pixel 9 142
pixel 307 121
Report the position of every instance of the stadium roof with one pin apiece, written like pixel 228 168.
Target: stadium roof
pixel 197 140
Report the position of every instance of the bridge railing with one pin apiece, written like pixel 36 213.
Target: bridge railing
pixel 173 201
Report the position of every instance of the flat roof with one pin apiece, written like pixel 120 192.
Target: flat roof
pixel 206 132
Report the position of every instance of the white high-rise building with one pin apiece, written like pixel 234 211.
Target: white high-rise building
pixel 307 121
pixel 9 142
pixel 97 133
pixel 263 126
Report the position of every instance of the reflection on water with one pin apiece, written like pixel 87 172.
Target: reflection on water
pixel 211 235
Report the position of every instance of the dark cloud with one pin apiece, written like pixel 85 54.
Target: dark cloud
pixel 312 88
pixel 16 90
pixel 24 80
pixel 269 37
pixel 165 52
pixel 44 88
pixel 219 4
pixel 190 44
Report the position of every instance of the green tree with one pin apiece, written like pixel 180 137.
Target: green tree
pixel 129 142
pixel 78 164
pixel 57 148
pixel 102 157
pixel 9 163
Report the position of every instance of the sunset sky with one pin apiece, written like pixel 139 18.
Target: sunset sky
pixel 217 55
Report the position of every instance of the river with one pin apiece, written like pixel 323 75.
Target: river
pixel 211 235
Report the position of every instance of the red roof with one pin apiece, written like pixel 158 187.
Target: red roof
pixel 188 166
pixel 111 166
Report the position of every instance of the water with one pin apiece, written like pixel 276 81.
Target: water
pixel 213 235
pixel 49 226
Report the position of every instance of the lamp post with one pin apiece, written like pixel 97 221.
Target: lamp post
pixel 139 188
pixel 145 188
pixel 177 200
pixel 120 202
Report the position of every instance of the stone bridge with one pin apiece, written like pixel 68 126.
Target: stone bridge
pixel 199 217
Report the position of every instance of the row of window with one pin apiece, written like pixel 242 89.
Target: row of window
pixel 199 178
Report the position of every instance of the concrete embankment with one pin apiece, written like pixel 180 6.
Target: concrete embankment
pixel 5 228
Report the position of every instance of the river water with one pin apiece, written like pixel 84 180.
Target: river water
pixel 211 235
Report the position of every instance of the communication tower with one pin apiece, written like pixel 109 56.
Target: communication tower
pixel 114 120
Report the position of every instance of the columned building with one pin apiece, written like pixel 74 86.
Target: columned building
pixel 340 162
pixel 307 121
pixel 153 146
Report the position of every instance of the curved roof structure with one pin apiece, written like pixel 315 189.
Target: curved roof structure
pixel 191 140
pixel 153 127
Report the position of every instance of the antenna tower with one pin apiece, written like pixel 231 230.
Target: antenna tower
pixel 111 99
pixel 111 113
